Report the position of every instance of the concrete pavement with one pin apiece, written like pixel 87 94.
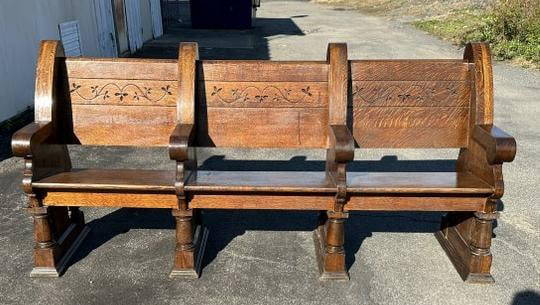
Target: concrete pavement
pixel 268 257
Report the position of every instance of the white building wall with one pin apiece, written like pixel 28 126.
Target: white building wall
pixel 146 18
pixel 23 24
pixel 84 12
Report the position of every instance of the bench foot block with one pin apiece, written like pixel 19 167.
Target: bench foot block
pixel 188 263
pixel 466 263
pixel 331 265
pixel 479 278
pixel 71 240
pixel 44 272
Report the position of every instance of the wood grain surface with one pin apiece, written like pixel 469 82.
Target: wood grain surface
pixel 123 125
pixel 110 179
pixel 416 182
pixel 262 71
pixel 264 127
pixel 410 127
pixel 260 181
pixel 409 70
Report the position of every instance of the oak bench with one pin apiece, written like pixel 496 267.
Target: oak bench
pixel 193 103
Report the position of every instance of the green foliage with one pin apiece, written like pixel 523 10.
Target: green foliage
pixel 512 27
pixel 460 26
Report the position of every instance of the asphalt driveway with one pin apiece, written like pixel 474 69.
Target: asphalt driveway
pixel 268 257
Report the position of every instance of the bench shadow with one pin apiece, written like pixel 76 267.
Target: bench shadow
pixel 243 44
pixel 226 225
pixel 526 297
pixel 300 163
pixel 121 221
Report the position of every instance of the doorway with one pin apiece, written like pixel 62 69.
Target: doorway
pixel 121 27
pixel 106 28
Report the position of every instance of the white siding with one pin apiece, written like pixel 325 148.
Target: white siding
pixel 146 20
pixel 105 28
pixel 23 24
pixel 134 24
pixel 70 35
pixel 157 20
pixel 85 13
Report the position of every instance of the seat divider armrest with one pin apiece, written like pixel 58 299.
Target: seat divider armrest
pixel 342 143
pixel 26 138
pixel 179 142
pixel 500 147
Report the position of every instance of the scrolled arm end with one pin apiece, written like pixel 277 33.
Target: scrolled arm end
pixel 179 142
pixel 500 147
pixel 342 142
pixel 28 136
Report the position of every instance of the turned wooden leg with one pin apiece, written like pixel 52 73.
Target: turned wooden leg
pixel 57 235
pixel 46 248
pixel 466 239
pixel 190 243
pixel 329 240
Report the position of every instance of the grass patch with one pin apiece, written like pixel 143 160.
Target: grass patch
pixel 459 26
pixel 512 27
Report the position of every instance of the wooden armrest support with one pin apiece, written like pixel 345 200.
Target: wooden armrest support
pixel 29 136
pixel 342 142
pixel 500 146
pixel 179 142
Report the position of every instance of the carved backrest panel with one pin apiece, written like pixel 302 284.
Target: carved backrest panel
pixel 123 101
pixel 262 104
pixel 410 103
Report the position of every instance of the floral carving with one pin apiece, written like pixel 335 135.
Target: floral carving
pixel 415 93
pixel 128 91
pixel 253 94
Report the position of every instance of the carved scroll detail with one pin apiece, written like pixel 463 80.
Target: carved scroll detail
pixel 129 91
pixel 253 94
pixel 408 93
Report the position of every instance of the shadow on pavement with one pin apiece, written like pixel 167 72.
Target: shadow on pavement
pixel 8 128
pixel 526 297
pixel 218 44
pixel 299 163
pixel 225 226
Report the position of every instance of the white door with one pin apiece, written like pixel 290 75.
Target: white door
pixel 134 24
pixel 105 28
pixel 157 22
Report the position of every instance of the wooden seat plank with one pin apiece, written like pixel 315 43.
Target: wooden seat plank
pixel 260 181
pixel 110 179
pixel 416 183
pixel 206 181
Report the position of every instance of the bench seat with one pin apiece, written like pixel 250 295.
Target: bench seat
pixel 416 183
pixel 206 181
pixel 110 179
pixel 260 181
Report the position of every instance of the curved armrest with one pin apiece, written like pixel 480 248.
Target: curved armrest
pixel 342 142
pixel 500 146
pixel 29 136
pixel 179 142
